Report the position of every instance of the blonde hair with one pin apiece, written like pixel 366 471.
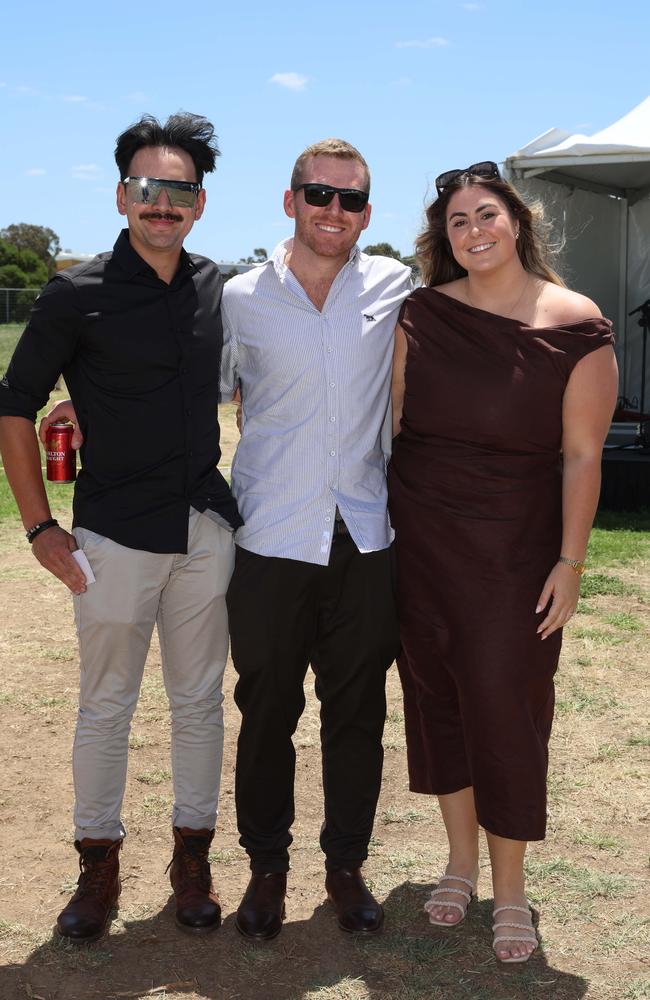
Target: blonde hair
pixel 433 250
pixel 339 148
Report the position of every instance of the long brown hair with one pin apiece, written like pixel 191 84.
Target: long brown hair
pixel 433 250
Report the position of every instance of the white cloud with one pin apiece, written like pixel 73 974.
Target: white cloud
pixel 402 81
pixel 74 98
pixel 86 172
pixel 27 91
pixel 35 172
pixel 294 81
pixel 472 6
pixel 424 43
pixel 137 97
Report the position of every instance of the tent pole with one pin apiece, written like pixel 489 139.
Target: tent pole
pixel 622 294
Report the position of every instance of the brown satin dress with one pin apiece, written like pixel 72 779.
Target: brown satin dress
pixel 475 499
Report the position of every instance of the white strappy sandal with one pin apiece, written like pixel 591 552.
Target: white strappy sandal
pixel 529 938
pixel 433 902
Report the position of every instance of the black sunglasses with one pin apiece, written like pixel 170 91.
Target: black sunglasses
pixel 147 190
pixel 319 195
pixel 486 169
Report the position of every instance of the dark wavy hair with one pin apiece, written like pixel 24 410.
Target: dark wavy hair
pixel 433 251
pixel 191 133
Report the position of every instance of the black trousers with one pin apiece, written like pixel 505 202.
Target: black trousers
pixel 284 615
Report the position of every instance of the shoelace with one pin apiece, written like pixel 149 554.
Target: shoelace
pixel 96 870
pixel 194 860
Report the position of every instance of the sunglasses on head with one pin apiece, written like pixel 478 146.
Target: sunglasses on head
pixel 319 195
pixel 147 190
pixel 486 169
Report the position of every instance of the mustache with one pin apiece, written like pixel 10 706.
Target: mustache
pixel 166 216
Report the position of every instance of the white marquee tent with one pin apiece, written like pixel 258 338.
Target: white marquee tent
pixel 596 190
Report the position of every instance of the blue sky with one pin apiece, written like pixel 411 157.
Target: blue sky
pixel 419 87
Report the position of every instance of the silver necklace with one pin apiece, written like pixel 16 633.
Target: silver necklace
pixel 511 309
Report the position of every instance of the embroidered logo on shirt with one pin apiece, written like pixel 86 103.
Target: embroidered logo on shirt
pixel 4 382
pixel 371 319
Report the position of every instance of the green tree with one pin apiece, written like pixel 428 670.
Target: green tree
pixel 382 250
pixel 39 239
pixel 20 268
pixel 259 255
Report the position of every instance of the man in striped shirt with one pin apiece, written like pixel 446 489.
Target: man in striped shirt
pixel 308 337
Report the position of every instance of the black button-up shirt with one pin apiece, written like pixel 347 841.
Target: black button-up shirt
pixel 141 361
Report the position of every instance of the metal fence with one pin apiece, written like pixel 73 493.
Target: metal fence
pixel 15 303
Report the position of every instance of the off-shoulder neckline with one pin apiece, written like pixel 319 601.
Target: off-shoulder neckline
pixel 517 322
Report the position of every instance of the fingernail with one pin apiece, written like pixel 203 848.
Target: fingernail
pixel 538 609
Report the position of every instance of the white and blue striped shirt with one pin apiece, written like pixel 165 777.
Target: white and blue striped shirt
pixel 316 403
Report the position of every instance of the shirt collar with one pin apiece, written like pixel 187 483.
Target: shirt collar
pixel 132 263
pixel 278 256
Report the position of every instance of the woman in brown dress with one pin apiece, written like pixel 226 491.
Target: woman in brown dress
pixel 505 383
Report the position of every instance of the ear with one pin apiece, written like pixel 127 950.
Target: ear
pixel 199 204
pixel 120 198
pixel 289 206
pixel 367 212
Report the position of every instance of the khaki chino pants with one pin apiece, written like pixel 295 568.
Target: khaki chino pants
pixel 184 595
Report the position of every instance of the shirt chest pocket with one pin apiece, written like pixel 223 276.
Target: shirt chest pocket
pixel 129 350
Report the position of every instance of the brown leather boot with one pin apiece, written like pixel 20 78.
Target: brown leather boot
pixel 88 913
pixel 197 905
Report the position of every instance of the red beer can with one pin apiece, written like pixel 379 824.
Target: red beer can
pixel 61 456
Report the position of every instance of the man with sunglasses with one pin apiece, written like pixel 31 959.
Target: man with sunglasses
pixel 137 335
pixel 309 339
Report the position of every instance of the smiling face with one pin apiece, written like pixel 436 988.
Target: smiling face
pixel 480 229
pixel 159 229
pixel 328 231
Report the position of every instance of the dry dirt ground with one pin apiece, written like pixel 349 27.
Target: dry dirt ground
pixel 589 879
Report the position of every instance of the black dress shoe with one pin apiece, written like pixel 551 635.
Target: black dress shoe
pixel 261 911
pixel 356 907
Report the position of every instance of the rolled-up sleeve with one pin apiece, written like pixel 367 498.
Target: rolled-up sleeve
pixel 45 348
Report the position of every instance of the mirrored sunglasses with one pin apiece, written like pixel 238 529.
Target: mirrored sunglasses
pixel 486 169
pixel 147 190
pixel 319 195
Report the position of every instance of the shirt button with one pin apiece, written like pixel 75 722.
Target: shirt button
pixel 332 420
pixel 328 518
pixel 332 385
pixel 332 453
pixel 329 350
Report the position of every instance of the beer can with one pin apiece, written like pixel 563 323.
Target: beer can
pixel 61 456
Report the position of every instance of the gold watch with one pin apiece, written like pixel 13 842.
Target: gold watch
pixel 575 564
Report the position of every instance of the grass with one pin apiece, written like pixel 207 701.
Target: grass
pixel 600 584
pixel 154 777
pixel 575 881
pixel 9 334
pixel 624 620
pixel 601 841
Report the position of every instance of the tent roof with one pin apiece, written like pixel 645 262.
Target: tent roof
pixel 615 160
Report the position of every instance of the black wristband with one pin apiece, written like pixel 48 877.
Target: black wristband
pixel 36 529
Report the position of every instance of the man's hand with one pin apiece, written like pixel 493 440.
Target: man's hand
pixel 53 548
pixel 62 411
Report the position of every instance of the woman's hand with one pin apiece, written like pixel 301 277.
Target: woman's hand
pixel 62 411
pixel 563 588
